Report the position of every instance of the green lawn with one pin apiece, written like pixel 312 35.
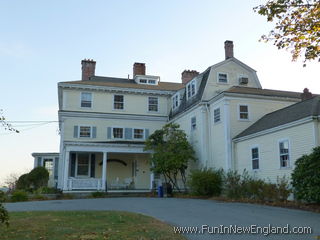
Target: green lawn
pixel 85 225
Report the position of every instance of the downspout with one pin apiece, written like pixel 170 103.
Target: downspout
pixel 209 153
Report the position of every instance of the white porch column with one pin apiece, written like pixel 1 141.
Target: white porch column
pixel 104 170
pixel 151 180
pixel 66 171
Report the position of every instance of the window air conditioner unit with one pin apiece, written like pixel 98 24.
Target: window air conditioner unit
pixel 243 80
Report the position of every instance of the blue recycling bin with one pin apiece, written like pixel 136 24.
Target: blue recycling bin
pixel 160 191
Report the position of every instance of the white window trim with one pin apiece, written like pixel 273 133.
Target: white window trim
pixel 195 88
pixel 143 134
pixel 289 153
pixel 222 82
pixel 259 157
pixel 91 100
pixel 177 95
pixel 220 115
pixel 124 100
pixel 123 133
pixel 89 167
pixel 158 105
pixel 91 127
pixel 241 119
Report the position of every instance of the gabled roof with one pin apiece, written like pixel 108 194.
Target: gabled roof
pixel 127 83
pixel 263 92
pixel 297 111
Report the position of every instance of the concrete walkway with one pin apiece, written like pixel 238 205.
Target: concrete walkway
pixel 194 213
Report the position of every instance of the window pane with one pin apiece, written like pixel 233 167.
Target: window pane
pixel 255 164
pixel 193 123
pixel 223 78
pixel 117 132
pixel 85 131
pixel 118 102
pixel 153 104
pixel 216 114
pixel 83 164
pixel 86 99
pixel 243 109
pixel 138 133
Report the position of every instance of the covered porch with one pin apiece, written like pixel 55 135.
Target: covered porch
pixel 120 167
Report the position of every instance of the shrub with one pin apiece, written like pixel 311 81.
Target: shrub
pixel 23 182
pixel 47 190
pixel 98 194
pixel 19 196
pixel 232 185
pixel 306 177
pixel 206 182
pixel 38 177
pixel 4 216
pixel 39 197
pixel 283 189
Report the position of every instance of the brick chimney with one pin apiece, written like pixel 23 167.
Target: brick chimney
pixel 228 48
pixel 139 69
pixel 306 94
pixel 188 75
pixel 88 69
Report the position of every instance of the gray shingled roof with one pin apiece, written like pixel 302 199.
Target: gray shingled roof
pixel 187 104
pixel 297 111
pixel 127 83
pixel 263 92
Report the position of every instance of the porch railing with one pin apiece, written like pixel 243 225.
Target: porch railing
pixel 85 183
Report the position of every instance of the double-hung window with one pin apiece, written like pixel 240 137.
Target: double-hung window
pixel 175 101
pixel 222 78
pixel 193 123
pixel 153 104
pixel 86 100
pixel 117 133
pixel 216 115
pixel 118 102
pixel 284 153
pixel 85 131
pixel 138 133
pixel 83 164
pixel 243 112
pixel 191 89
pixel 255 158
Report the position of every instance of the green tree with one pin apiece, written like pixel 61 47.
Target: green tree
pixel 4 216
pixel 38 177
pixel 297 26
pixel 171 153
pixel 306 177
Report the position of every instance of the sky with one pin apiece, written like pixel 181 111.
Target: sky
pixel 43 42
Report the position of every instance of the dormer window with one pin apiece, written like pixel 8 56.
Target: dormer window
pixel 175 101
pixel 147 79
pixel 191 89
pixel 222 78
pixel 144 81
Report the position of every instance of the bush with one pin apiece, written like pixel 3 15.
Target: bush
pixel 47 190
pixel 4 216
pixel 206 182
pixel 306 177
pixel 39 197
pixel 237 186
pixel 38 177
pixel 98 194
pixel 23 182
pixel 19 196
pixel 232 185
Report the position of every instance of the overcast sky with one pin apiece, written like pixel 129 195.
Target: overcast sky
pixel 43 43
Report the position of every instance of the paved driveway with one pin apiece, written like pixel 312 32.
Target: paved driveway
pixel 194 213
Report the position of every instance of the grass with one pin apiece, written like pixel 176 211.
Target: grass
pixel 85 225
